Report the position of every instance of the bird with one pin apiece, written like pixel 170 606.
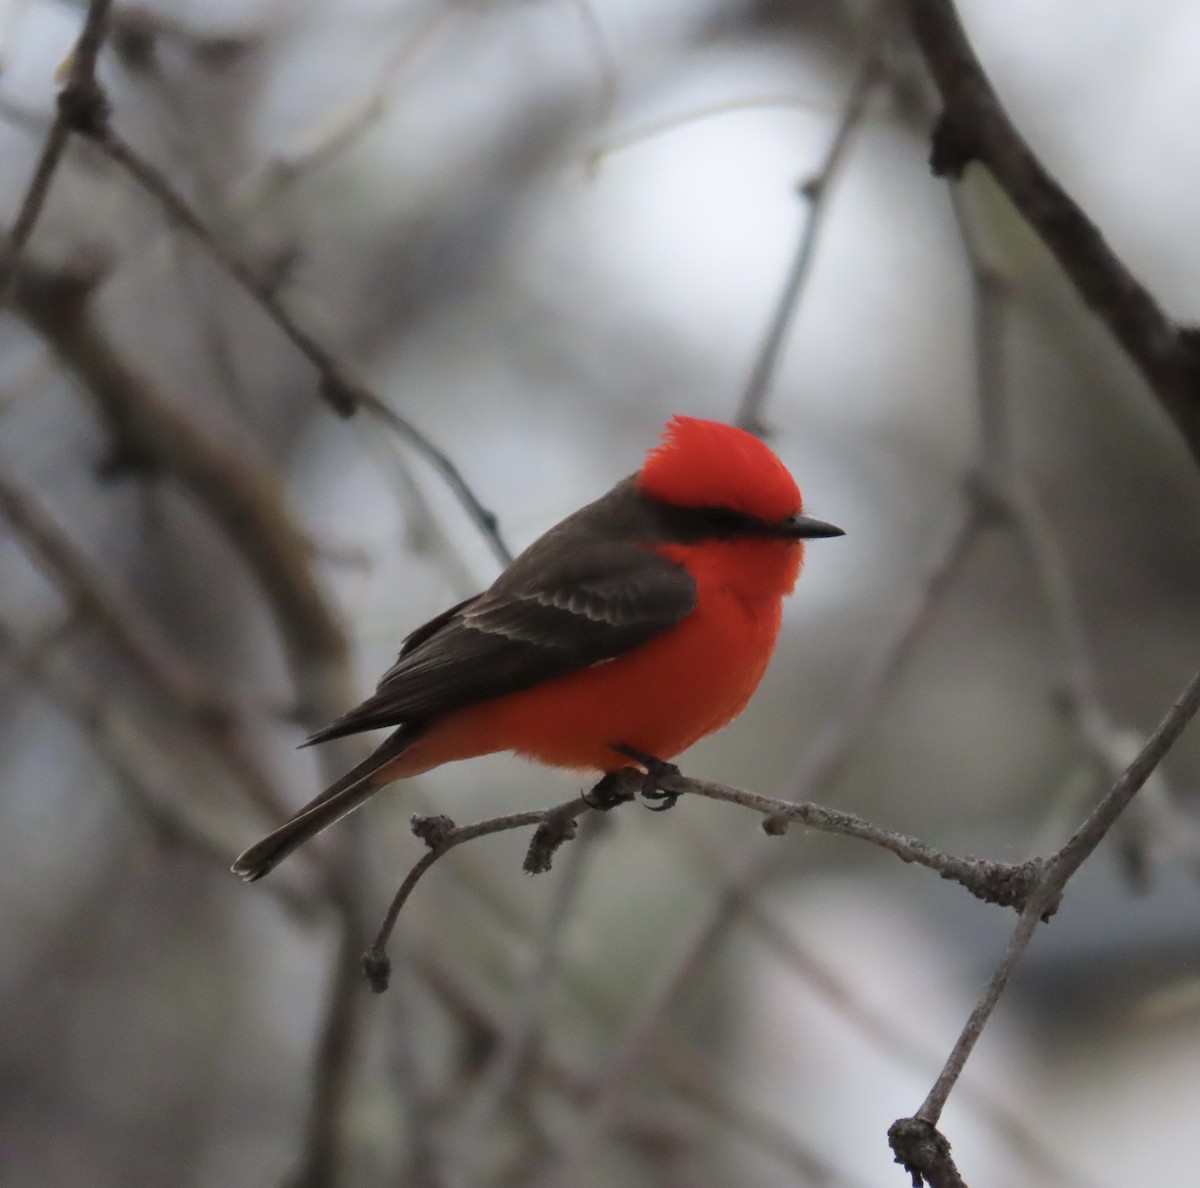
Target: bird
pixel 636 626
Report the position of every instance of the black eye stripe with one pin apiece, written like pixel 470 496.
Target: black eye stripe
pixel 687 524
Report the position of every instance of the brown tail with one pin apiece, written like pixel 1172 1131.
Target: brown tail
pixel 341 797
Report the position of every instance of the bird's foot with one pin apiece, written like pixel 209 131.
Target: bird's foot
pixel 607 793
pixel 655 770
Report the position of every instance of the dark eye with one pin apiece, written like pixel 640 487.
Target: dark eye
pixel 724 521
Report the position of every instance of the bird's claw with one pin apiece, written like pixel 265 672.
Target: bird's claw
pixel 655 770
pixel 668 799
pixel 606 793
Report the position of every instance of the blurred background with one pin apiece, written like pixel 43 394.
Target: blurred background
pixel 534 231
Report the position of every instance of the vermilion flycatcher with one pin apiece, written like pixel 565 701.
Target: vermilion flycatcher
pixel 636 626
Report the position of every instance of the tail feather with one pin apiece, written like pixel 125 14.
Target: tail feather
pixel 341 797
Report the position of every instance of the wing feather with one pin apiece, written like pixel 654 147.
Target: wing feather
pixel 545 617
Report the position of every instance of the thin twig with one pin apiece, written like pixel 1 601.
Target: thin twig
pixel 141 762
pixel 827 761
pixel 835 747
pixel 1041 902
pixel 81 586
pixel 638 1046
pixel 1108 745
pixel 814 192
pixel 883 1032
pixel 520 1043
pixel 170 676
pixel 345 395
pixel 337 1042
pixel 829 756
pixel 1003 477
pixel 348 126
pixel 639 135
pixel 80 101
pixel 484 519
pixel 553 827
pixel 994 882
pixel 974 127
pixel 1007 486
pixel 694 1075
pixel 153 433
pixel 916 1141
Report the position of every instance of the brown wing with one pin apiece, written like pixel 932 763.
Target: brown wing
pixel 539 621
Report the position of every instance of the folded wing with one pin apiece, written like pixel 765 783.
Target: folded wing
pixel 539 621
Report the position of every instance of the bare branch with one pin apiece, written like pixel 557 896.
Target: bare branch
pixel 974 127
pixel 81 103
pixel 344 395
pixel 639 1044
pixel 916 1142
pixel 336 1048
pixel 519 1046
pixel 553 826
pixel 993 882
pixel 1004 480
pixel 151 432
pixel 639 135
pixel 336 134
pixel 167 673
pixel 824 764
pixel 484 520
pixel 1041 902
pixel 924 1152
pixel 138 761
pixel 81 586
pixel 821 766
pixel 606 69
pixel 702 1085
pixel 884 1033
pixel 1005 485
pixel 814 192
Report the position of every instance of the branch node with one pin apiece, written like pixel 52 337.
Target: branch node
pixel 556 829
pixel 433 831
pixel 809 189
pixel 342 397
pixel 83 107
pixel 924 1152
pixel 953 145
pixel 377 967
pixel 1004 884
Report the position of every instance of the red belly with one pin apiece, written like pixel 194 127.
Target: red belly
pixel 660 698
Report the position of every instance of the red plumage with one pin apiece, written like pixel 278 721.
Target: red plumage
pixel 638 625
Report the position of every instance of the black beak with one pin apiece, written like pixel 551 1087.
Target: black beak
pixel 806 528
